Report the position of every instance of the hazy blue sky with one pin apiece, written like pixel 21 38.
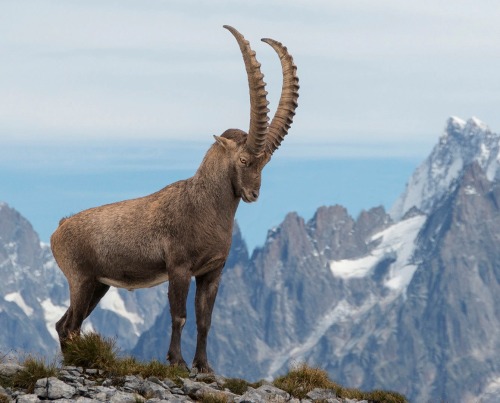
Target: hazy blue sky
pixel 104 100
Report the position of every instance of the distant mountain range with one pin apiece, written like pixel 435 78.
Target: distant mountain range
pixel 406 300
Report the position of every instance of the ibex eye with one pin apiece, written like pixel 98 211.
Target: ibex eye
pixel 243 161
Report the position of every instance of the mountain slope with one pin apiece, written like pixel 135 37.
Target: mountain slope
pixel 405 301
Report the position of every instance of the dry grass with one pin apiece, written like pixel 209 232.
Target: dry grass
pixel 90 350
pixel 34 369
pixel 213 398
pixel 131 366
pixel 4 398
pixel 236 386
pixel 302 379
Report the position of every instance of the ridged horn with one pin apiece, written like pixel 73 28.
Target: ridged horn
pixel 259 119
pixel 285 112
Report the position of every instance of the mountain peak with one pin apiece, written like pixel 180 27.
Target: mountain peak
pixel 455 123
pixel 474 124
pixel 462 143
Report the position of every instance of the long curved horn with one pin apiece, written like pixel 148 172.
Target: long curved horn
pixel 259 120
pixel 283 117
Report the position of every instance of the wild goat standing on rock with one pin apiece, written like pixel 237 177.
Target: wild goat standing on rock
pixel 181 231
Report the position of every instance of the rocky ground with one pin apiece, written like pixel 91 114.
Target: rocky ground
pixel 74 384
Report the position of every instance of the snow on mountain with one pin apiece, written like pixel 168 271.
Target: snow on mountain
pixel 396 242
pixel 461 144
pixel 17 298
pixel 51 314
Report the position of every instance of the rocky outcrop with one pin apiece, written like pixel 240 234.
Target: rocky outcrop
pixel 74 384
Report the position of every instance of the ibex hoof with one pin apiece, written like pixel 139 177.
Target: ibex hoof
pixel 202 368
pixel 181 364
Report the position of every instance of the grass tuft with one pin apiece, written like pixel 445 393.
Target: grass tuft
pixel 90 350
pixel 302 379
pixel 4 398
pixel 213 398
pixel 383 396
pixel 236 386
pixel 34 369
pixel 130 365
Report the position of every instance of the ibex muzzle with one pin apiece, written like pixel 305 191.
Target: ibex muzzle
pixel 181 231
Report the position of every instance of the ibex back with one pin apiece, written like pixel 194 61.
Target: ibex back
pixel 181 231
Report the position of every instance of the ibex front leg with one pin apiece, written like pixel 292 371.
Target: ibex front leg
pixel 178 288
pixel 206 291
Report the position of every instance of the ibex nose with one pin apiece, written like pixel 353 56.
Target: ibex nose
pixel 255 194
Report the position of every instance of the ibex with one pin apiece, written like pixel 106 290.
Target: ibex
pixel 181 231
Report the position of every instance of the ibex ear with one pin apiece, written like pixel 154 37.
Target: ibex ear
pixel 228 144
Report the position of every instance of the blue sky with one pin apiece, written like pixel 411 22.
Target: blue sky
pixel 106 100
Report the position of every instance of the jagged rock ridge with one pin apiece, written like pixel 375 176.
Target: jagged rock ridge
pixel 406 301
pixel 380 300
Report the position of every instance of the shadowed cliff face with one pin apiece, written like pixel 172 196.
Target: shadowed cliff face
pixel 24 272
pixel 453 301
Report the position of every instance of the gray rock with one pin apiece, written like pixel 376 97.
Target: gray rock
pixel 273 391
pixel 53 388
pixel 132 383
pixel 265 393
pixel 100 397
pixel 166 383
pixel 169 383
pixel 152 389
pixel 101 393
pixel 91 371
pixel 107 382
pixel 173 399
pixel 123 397
pixel 28 399
pixel 67 377
pixel 251 396
pixel 190 387
pixel 8 370
pixel 321 394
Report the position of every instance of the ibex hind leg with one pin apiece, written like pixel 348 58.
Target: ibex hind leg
pixel 100 291
pixel 84 297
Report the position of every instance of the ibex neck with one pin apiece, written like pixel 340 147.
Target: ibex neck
pixel 212 185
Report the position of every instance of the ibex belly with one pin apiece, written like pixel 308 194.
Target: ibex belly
pixel 134 285
pixel 132 279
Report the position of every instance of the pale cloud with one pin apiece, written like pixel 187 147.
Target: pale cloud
pixel 370 72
